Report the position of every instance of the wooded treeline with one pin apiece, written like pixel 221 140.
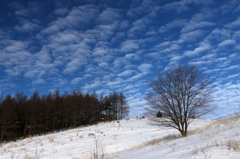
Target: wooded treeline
pixel 21 116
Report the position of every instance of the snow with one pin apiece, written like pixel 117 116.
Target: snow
pixel 134 139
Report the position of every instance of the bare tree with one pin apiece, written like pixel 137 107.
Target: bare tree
pixel 181 94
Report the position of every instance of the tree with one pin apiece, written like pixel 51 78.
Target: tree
pixel 180 94
pixel 159 114
pixel 124 107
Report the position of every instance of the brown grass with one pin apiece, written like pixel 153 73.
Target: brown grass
pixel 216 123
pixel 232 144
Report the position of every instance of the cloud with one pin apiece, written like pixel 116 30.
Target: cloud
pixel 233 76
pixel 135 77
pixel 78 17
pixel 94 84
pixel 236 35
pixel 100 51
pixel 76 80
pixel 225 94
pixel 176 58
pixel 136 102
pixel 193 25
pixel 174 24
pixel 232 67
pixel 39 81
pixel 138 26
pixel 103 64
pixel 192 36
pixel 129 45
pixel 66 37
pixel 60 11
pixel 178 6
pixel 234 24
pixel 126 73
pixel 27 10
pixel 55 26
pixel 219 34
pixel 184 5
pixel 82 16
pixel 227 42
pixel 204 46
pixel 145 68
pixel 116 83
pixel 27 26
pixel 172 48
pixel 129 87
pixel 75 65
pixel 108 16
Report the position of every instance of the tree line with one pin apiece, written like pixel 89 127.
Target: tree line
pixel 21 116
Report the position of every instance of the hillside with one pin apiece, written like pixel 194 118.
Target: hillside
pixel 133 138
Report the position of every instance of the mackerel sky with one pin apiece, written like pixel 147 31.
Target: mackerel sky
pixel 118 45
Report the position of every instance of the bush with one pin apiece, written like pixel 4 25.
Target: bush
pixel 159 114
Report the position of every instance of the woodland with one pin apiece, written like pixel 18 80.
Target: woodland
pixel 22 116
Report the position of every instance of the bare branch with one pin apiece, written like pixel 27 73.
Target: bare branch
pixel 180 94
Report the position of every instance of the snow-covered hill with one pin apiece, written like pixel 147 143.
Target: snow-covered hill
pixel 133 139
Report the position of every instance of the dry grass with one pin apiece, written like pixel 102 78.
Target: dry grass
pixel 216 143
pixel 216 124
pixel 50 139
pixel 231 144
pixel 227 120
pixel 138 147
pixel 153 142
pixel 98 151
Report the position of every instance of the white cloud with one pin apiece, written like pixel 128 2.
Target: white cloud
pixel 74 65
pixel 116 83
pixel 27 26
pixel 227 42
pixel 93 85
pixel 99 51
pixel 234 24
pixel 136 77
pixel 103 64
pixel 172 25
pixel 145 68
pixel 39 81
pixel 192 36
pixel 232 67
pixel 82 15
pixel 198 62
pixel 129 87
pixel 176 58
pixel 193 25
pixel 66 37
pixel 126 73
pixel 129 45
pixel 178 6
pixel 233 76
pixel 60 11
pixel 219 34
pixel 76 80
pixel 55 26
pixel 108 16
pixel 204 46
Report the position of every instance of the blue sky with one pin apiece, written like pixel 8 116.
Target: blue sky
pixel 107 46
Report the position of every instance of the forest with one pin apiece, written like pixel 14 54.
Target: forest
pixel 22 117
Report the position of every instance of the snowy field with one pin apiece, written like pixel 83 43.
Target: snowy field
pixel 132 139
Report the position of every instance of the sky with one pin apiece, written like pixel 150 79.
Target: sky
pixel 121 45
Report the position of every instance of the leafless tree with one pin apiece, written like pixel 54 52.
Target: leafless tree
pixel 181 94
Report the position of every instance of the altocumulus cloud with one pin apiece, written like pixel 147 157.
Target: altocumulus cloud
pixel 107 46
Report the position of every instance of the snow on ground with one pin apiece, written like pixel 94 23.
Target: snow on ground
pixel 134 139
pixel 219 140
